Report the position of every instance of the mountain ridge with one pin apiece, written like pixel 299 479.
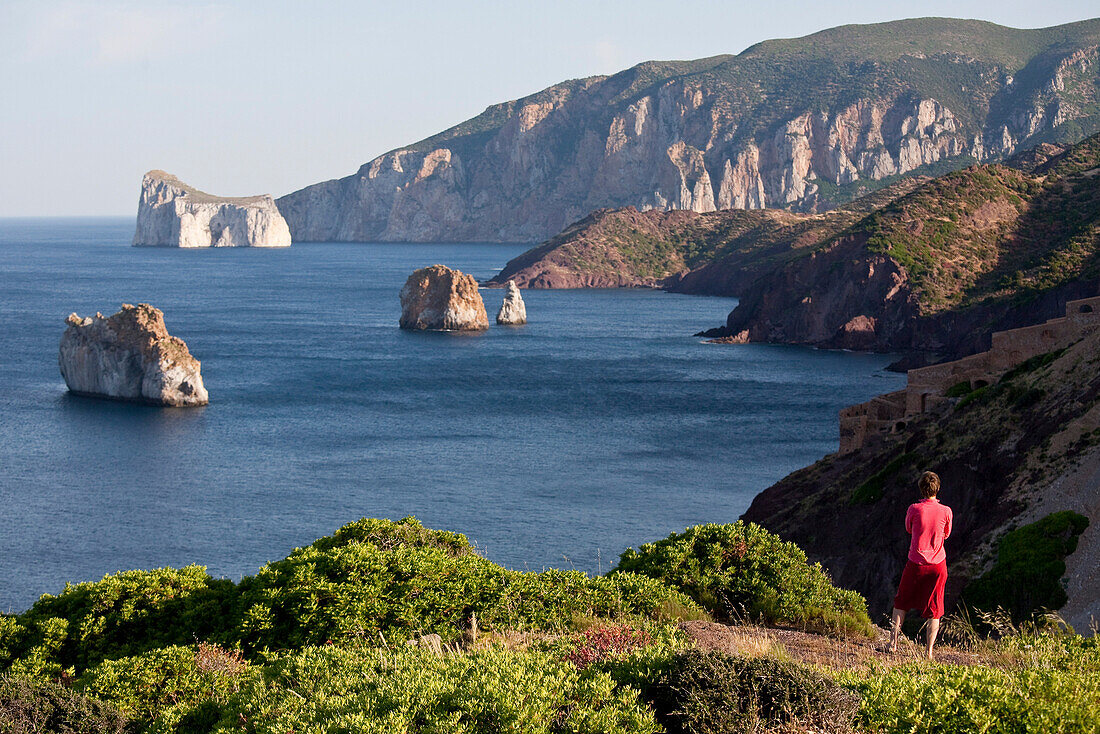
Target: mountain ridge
pixel 789 123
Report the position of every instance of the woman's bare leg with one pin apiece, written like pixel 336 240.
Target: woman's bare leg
pixel 933 630
pixel 896 619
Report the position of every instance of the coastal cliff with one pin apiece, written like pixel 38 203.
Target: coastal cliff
pixel 173 214
pixel 130 356
pixel 804 124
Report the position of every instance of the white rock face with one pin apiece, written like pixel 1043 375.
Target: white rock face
pixel 173 214
pixel 130 356
pixel 513 310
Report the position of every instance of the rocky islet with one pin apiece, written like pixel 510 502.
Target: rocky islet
pixel 513 311
pixel 173 214
pixel 438 298
pixel 130 356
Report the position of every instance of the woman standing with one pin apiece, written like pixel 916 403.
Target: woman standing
pixel 925 574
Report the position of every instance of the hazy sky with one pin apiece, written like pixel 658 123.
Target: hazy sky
pixel 241 98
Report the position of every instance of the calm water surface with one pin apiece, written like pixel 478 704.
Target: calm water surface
pixel 600 425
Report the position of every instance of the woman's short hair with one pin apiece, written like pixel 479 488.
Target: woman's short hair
pixel 929 484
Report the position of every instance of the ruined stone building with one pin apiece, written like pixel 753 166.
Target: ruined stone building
pixel 927 387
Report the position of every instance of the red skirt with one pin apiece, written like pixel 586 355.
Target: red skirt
pixel 922 588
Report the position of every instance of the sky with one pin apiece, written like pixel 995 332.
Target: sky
pixel 243 98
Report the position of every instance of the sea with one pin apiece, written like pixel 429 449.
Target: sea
pixel 600 425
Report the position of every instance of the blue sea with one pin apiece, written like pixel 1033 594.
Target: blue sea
pixel 600 425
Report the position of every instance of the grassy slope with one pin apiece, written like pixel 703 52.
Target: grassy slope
pixel 990 232
pixel 982 249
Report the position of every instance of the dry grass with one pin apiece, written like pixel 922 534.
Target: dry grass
pixel 214 659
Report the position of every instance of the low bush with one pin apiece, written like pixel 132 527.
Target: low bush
pixel 741 571
pixel 371 578
pixel 1031 364
pixel 714 693
pixel 362 587
pixel 959 389
pixel 924 699
pixel 1031 561
pixel 873 489
pixel 178 686
pixel 124 614
pixel 44 707
pixel 385 691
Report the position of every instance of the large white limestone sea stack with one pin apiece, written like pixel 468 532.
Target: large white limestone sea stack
pixel 173 214
pixel 130 356
pixel 513 311
pixel 441 299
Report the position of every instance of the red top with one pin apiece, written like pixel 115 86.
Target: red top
pixel 929 522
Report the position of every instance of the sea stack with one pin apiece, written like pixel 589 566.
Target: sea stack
pixel 130 356
pixel 173 214
pixel 438 298
pixel 513 310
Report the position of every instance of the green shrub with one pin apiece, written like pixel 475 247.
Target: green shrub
pixel 1031 364
pixel 959 389
pixel 1031 561
pixel 124 614
pixel 174 685
pixel 332 689
pixel 714 693
pixel 740 570
pixel 923 699
pixel 363 586
pixel 980 396
pixel 371 577
pixel 1029 398
pixel 46 707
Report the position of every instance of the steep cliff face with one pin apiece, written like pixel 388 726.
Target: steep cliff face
pixel 130 356
pixel 803 124
pixel 173 214
pixel 1009 454
pixel 937 270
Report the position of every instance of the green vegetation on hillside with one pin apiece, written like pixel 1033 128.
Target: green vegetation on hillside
pixel 993 232
pixel 1031 561
pixel 371 578
pixel 1045 683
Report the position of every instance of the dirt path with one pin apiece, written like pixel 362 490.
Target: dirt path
pixel 813 649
